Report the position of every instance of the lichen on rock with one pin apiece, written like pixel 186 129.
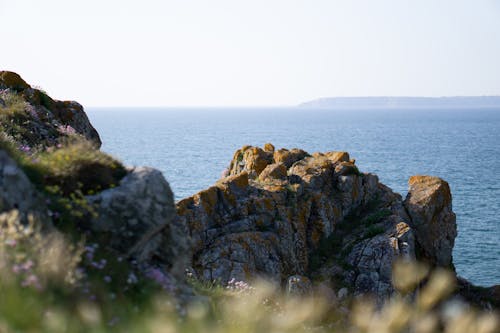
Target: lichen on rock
pixel 429 205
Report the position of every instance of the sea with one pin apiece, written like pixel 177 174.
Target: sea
pixel 193 146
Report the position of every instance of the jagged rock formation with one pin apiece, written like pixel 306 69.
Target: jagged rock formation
pixel 283 213
pixel 37 119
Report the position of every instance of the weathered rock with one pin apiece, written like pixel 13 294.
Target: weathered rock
pixel 288 157
pixel 17 192
pixel 346 168
pixel 292 214
pixel 44 122
pixel 429 205
pixel 373 258
pixel 335 156
pixel 139 216
pixel 275 171
pixel 251 160
pixel 13 81
pixel 71 113
pixel 269 147
pixel 270 227
pixel 487 298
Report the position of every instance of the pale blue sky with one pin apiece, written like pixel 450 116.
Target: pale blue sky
pixel 259 52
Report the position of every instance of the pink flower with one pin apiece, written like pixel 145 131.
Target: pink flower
pixel 32 281
pixel 66 129
pixel 25 148
pixel 27 265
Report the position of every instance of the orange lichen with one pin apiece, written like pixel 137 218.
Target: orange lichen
pixel 338 156
pixel 268 147
pixel 183 205
pixel 208 199
pixel 401 229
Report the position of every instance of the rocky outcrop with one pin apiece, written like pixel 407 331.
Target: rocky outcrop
pixel 291 216
pixel 36 120
pixel 17 192
pixel 278 208
pixel 429 205
pixel 138 215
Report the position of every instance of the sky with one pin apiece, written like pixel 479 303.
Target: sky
pixel 251 53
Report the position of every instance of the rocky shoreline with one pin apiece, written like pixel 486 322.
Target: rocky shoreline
pixel 306 221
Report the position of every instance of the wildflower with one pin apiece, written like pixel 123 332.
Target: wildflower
pixel 11 242
pixel 32 281
pixel 107 279
pixel 16 269
pixel 25 148
pixel 66 129
pixel 27 265
pixel 240 287
pixel 31 110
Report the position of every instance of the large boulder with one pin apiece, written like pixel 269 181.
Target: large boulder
pixel 139 217
pixel 430 208
pixel 17 192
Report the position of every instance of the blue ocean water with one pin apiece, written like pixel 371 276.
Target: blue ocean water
pixel 193 146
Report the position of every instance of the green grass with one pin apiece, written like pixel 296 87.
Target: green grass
pixel 14 105
pixel 78 167
pixel 73 167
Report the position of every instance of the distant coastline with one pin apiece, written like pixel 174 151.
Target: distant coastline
pixel 389 102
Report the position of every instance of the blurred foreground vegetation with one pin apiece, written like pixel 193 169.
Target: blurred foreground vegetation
pixel 49 284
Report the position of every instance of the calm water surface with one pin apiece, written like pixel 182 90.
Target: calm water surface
pixel 193 146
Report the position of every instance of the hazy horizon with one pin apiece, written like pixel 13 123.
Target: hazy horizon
pixel 259 53
pixel 285 105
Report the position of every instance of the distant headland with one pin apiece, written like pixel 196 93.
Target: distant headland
pixel 458 102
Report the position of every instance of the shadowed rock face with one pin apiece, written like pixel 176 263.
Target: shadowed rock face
pixel 429 205
pixel 47 120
